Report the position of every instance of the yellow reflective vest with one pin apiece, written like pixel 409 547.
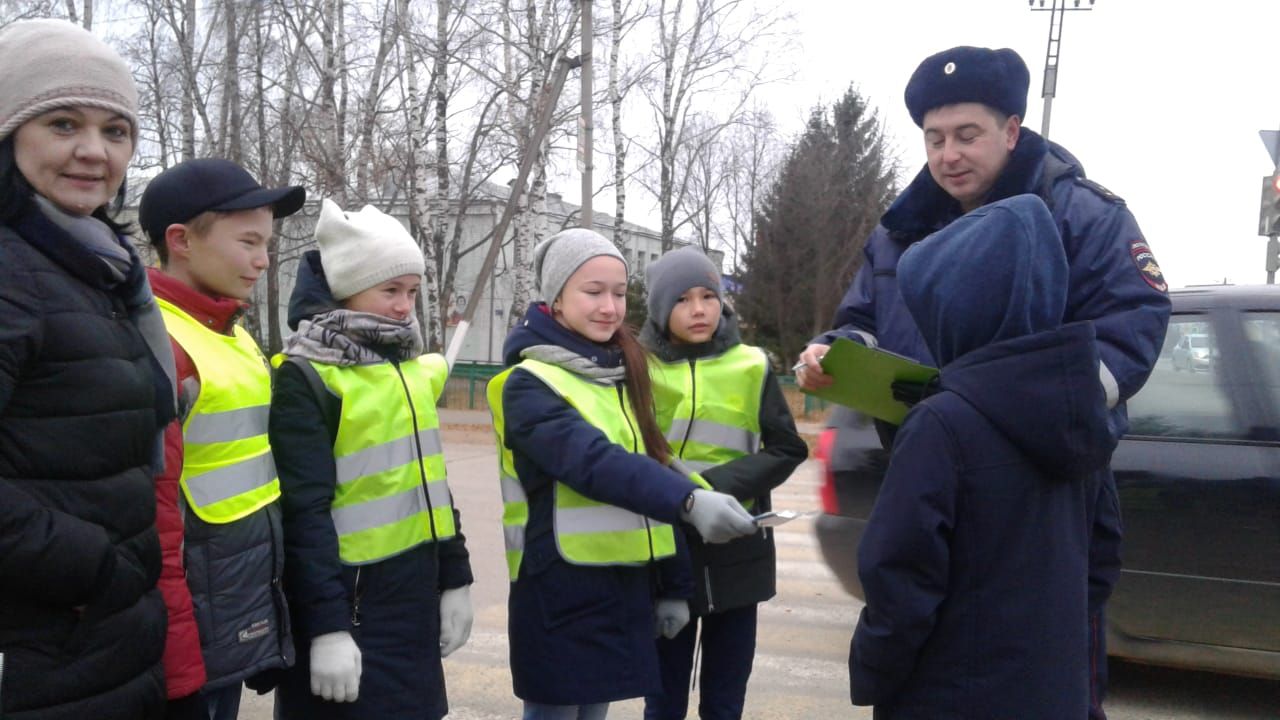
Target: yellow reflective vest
pixel 709 408
pixel 227 469
pixel 587 532
pixel 392 493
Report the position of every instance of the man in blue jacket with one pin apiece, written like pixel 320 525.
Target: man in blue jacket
pixel 969 102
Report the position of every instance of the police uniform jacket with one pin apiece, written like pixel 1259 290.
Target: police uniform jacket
pixel 397 599
pixel 82 627
pixel 741 572
pixel 1114 282
pixel 581 634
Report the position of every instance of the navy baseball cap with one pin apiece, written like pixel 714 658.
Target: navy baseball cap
pixel 189 188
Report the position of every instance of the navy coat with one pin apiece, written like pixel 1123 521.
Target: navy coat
pixel 391 607
pixel 581 635
pixel 1114 282
pixel 975 558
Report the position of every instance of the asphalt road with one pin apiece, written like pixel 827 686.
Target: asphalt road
pixel 800 666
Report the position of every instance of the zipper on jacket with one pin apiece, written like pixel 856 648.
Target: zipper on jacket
pixel 635 448
pixel 355 600
pixel 706 576
pixel 417 443
pixel 693 405
pixel 277 593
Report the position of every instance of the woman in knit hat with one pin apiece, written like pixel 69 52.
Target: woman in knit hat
pixel 589 500
pixel 85 390
pixel 376 567
pixel 725 417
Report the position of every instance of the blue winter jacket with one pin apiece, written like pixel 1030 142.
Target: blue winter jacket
pixel 1114 282
pixel 581 635
pixel 975 557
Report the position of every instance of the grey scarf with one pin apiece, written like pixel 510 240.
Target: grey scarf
pixel 575 363
pixel 347 337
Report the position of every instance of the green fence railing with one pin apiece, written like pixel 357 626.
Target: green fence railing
pixel 467 381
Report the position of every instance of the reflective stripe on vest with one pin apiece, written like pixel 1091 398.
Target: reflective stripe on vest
pixel 227 469
pixel 515 504
pixel 587 532
pixel 709 408
pixel 392 494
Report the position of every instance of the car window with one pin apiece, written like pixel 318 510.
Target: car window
pixel 1262 329
pixel 1184 397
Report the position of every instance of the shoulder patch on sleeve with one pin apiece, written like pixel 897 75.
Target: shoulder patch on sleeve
pixel 1100 191
pixel 1145 261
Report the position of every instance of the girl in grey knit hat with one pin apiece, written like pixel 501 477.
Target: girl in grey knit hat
pixel 725 417
pixel 590 498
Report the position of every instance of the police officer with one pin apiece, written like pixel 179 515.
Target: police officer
pixel 969 102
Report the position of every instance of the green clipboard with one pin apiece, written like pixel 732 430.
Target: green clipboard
pixel 864 376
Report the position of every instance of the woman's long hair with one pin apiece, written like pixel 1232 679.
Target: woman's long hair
pixel 16 192
pixel 640 388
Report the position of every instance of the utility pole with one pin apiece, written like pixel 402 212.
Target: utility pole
pixel 585 123
pixel 1057 10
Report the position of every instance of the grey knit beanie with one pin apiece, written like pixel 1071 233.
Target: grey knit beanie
pixel 556 258
pixel 668 277
pixel 358 250
pixel 50 64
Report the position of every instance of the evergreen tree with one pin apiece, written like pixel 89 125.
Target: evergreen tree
pixel 837 180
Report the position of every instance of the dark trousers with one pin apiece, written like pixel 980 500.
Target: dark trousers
pixel 728 649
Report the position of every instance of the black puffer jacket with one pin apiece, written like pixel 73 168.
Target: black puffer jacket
pixel 82 626
pixel 742 572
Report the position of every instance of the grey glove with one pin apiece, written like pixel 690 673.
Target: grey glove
pixel 670 616
pixel 718 517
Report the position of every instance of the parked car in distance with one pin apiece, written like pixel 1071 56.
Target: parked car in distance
pixel 1199 480
pixel 1192 352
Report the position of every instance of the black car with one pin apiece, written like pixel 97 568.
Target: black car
pixel 1199 481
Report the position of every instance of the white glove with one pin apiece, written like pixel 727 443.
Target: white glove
pixel 718 517
pixel 335 667
pixel 455 619
pixel 670 616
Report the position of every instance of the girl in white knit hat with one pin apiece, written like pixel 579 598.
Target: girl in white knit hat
pixel 377 572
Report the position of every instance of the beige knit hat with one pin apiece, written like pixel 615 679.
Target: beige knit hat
pixel 49 64
pixel 361 249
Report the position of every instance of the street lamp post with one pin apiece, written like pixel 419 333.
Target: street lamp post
pixel 1057 10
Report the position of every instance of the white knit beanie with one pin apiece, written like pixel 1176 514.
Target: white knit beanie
pixel 361 249
pixel 50 64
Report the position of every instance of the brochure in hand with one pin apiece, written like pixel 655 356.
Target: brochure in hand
pixel 864 378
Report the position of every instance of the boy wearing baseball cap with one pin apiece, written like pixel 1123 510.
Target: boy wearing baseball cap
pixel 210 222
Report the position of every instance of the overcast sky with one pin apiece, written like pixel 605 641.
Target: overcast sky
pixel 1161 101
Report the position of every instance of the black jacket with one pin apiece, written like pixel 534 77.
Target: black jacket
pixel 742 572
pixel 82 627
pixel 391 607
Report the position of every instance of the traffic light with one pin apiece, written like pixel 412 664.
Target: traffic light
pixel 1269 215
